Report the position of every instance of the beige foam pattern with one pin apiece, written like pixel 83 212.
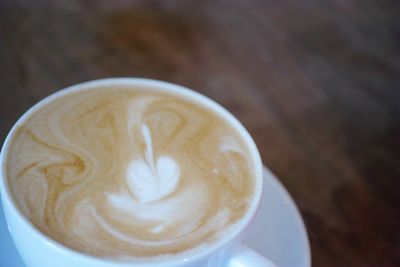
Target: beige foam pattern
pixel 71 155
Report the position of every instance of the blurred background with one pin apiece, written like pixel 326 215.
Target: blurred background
pixel 317 84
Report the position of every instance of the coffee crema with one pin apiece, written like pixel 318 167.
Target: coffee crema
pixel 128 172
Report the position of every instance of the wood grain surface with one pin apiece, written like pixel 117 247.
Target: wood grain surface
pixel 317 83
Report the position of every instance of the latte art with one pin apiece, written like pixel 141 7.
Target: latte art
pixel 130 173
pixel 151 180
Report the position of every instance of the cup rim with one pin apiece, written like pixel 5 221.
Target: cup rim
pixel 191 95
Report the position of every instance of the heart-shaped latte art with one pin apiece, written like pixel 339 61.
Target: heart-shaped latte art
pixel 148 180
pixel 149 185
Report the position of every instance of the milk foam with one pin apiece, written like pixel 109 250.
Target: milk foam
pixel 149 179
pixel 130 173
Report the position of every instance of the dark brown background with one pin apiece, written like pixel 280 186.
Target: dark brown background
pixel 317 83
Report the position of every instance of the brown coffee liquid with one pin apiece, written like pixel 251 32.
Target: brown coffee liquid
pixel 125 172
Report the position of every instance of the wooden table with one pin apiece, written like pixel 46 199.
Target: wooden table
pixel 317 83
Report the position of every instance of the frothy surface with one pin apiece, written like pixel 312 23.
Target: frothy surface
pixel 129 173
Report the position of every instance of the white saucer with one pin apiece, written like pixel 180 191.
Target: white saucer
pixel 278 231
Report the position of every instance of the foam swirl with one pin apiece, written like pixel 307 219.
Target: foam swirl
pixel 151 180
pixel 129 173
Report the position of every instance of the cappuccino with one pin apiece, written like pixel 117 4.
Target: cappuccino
pixel 130 172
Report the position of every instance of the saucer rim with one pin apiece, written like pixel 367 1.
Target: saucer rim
pixel 268 174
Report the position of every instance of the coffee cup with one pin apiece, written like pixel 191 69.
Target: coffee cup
pixel 130 172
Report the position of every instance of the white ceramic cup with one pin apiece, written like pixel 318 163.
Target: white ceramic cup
pixel 39 250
